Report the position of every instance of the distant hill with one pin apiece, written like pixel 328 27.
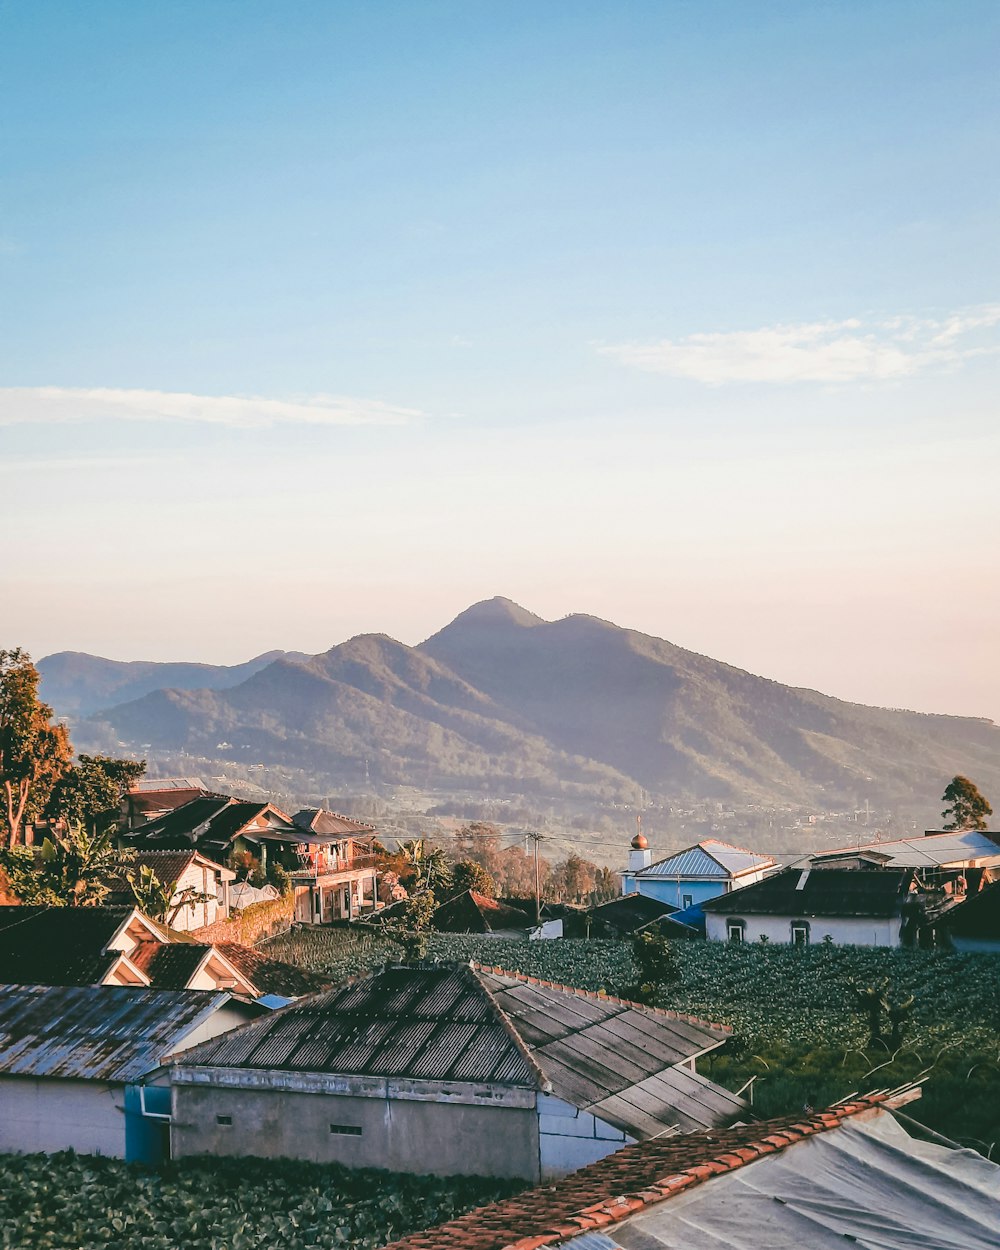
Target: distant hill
pixel 77 684
pixel 504 702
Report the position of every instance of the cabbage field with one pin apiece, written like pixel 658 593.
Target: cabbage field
pixel 64 1201
pixel 798 1032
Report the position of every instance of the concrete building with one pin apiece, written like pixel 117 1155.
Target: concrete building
pixel 692 876
pixel 803 906
pixel 73 1061
pixel 448 1069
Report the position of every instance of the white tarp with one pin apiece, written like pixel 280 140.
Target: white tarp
pixel 242 894
pixel 867 1182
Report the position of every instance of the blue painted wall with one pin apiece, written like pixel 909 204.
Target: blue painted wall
pixel 669 891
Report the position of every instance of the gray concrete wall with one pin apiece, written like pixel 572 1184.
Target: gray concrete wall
pixel 404 1136
pixel 50 1115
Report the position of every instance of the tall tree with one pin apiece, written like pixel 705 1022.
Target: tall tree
pixel 967 808
pixel 90 792
pixel 34 753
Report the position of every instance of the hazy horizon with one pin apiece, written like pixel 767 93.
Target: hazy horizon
pixel 331 319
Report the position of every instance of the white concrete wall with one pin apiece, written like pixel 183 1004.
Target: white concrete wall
pixel 49 1115
pixel 202 881
pixel 569 1138
pixel 846 931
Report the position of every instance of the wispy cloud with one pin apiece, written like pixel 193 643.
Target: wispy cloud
pixel 47 405
pixel 823 351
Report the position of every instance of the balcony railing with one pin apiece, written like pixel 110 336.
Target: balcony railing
pixel 310 869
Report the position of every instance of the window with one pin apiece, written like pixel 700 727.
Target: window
pixel 687 900
pixel 345 1130
pixel 800 933
pixel 223 1119
pixel 735 930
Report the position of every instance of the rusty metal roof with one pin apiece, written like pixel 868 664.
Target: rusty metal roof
pixel 461 1023
pixel 616 1059
pixel 436 1023
pixel 96 1032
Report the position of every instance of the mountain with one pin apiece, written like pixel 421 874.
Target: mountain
pixel 77 684
pixel 502 701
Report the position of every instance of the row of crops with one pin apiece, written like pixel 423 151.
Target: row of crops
pixel 798 1032
pixel 64 1201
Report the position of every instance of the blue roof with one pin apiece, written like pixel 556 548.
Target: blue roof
pixel 709 859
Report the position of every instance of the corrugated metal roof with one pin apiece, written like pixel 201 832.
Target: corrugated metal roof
pixel 424 1023
pixel 830 892
pixel 710 858
pixel 96 1032
pixel 936 850
pixel 616 1059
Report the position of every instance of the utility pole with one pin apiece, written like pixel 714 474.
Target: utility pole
pixel 536 838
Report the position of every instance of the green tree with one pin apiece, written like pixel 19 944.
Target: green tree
pixel 34 753
pixel 967 808
pixel 468 875
pixel 91 791
pixel 79 866
pixel 159 901
pixel 656 967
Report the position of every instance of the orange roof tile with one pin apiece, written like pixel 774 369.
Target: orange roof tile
pixel 624 1182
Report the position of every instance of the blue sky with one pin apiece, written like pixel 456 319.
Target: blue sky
pixel 321 318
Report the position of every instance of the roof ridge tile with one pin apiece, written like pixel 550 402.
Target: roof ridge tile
pixel 604 997
pixel 490 1227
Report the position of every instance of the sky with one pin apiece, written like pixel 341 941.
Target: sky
pixel 326 318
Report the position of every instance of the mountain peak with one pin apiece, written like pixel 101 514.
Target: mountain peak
pixel 494 613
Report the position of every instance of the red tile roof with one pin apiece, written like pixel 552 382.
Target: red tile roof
pixel 624 1183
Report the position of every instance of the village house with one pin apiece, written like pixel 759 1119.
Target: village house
pixel 851 1174
pixel 624 917
pixel 121 946
pixel 335 875
pixel 803 906
pixel 73 1061
pixel 449 1069
pixel 200 889
pixel 472 912
pixel 974 923
pixel 152 797
pixel 959 861
pixel 691 877
pixel 328 857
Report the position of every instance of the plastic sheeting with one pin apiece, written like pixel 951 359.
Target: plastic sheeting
pixel 866 1182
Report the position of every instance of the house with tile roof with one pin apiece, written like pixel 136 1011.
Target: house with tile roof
pixel 804 906
pixel 851 1174
pixel 76 946
pixel 217 825
pixel 690 877
pixel 472 912
pixel 328 856
pixel 200 888
pixel 449 1069
pixel 74 1061
pixel 335 876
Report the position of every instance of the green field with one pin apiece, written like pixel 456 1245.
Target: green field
pixel 796 1027
pixel 66 1201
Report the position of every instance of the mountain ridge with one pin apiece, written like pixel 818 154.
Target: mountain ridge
pixel 500 700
